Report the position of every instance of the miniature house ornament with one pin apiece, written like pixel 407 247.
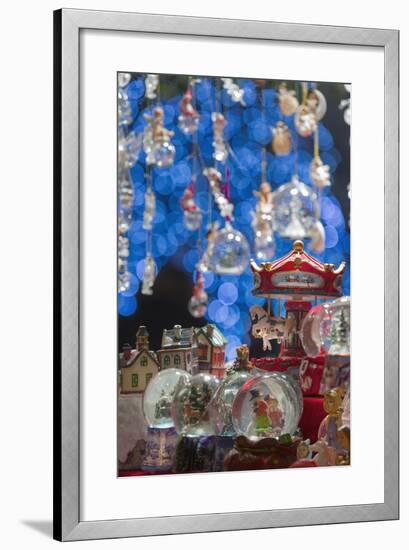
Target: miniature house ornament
pixel 157 140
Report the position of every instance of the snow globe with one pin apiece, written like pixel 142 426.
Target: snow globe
pixel 190 408
pixel 158 397
pixel 230 252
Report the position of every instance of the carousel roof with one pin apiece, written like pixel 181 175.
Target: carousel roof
pixel 297 274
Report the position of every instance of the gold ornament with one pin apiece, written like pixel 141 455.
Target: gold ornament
pixel 281 144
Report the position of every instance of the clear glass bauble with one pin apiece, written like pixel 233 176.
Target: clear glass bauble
pixel 159 394
pixel 124 108
pixel 190 409
pixel 266 406
pixel 192 219
pixel 310 332
pixel 188 124
pixel 335 327
pixel 296 209
pixel 230 252
pixel 163 153
pixel 124 79
pixel 264 247
pixel 197 305
pixel 129 148
pixel 222 403
pixel 124 220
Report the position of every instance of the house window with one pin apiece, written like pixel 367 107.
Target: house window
pixel 144 362
pixel 177 359
pixel 166 360
pixel 134 380
pixel 148 376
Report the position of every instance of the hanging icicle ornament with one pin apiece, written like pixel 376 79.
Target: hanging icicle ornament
pixel 151 85
pixel 149 211
pixel 157 140
pixel 287 101
pixel 346 104
pixel 319 172
pixel 263 223
pixel 296 209
pixel 129 147
pixel 224 205
pixel 198 302
pixel 220 151
pixel 124 276
pixel 235 92
pixel 149 275
pixel 124 108
pixel 192 215
pixel 188 120
pixel 281 144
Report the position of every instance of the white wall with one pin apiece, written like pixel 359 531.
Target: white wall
pixel 25 218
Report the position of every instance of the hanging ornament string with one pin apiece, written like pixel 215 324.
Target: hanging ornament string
pixel 319 172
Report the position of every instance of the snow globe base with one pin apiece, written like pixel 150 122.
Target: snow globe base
pixel 160 450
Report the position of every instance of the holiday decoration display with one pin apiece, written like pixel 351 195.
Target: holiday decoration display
pixel 190 410
pixel 212 172
pixel 158 397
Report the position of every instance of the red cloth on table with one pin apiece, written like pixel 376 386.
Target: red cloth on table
pixel 312 416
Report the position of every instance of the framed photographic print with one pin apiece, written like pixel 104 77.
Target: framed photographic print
pixel 226 274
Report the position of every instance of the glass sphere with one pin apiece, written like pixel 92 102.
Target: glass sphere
pixel 188 124
pixel 125 194
pixel 310 332
pixel 163 154
pixel 230 252
pixel 296 209
pixel 197 305
pixel 265 406
pixel 335 327
pixel 222 403
pixel 190 409
pixel 158 397
pixel 264 247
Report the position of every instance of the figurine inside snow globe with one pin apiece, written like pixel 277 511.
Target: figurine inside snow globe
pixel 222 403
pixel 159 394
pixel 266 406
pixel 190 409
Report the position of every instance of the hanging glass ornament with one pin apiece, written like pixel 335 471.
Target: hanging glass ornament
pixel 320 173
pixel 287 101
pixel 340 326
pixel 192 215
pixel 149 275
pixel 220 152
pixel 317 103
pixel 157 140
pixel 149 211
pixel 124 220
pixel 125 194
pixel 198 302
pixel 151 84
pixel 189 118
pixel 235 92
pixel 123 246
pixel 263 223
pixel 317 235
pixel 230 252
pixel 296 209
pixel 159 394
pixel 305 121
pixel 346 104
pixel 190 409
pixel 266 406
pixel 124 79
pixel 281 144
pixel 224 205
pixel 124 108
pixel 129 147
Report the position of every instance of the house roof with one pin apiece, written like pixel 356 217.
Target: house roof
pixel 178 337
pixel 136 354
pixel 215 337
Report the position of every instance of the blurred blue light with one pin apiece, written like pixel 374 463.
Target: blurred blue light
pixel 163 183
pixel 190 260
pixel 227 293
pixel 331 236
pixel 181 173
pixel 126 305
pixel 133 286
